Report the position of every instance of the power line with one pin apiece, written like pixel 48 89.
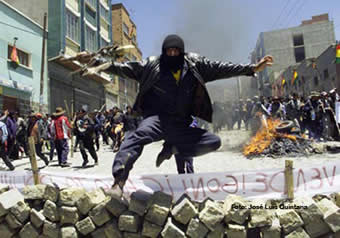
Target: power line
pixel 283 10
pixel 292 10
pixel 297 11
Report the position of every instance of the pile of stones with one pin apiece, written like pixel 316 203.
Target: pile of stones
pixel 47 211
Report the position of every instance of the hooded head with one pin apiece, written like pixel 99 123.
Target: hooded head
pixel 173 63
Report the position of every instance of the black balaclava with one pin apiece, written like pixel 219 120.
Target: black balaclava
pixel 173 63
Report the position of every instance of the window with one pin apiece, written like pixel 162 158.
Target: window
pixel 93 3
pixel 125 29
pixel 299 53
pixel 316 81
pixel 103 42
pixel 90 40
pixel 325 74
pixel 72 26
pixel 298 40
pixel 24 58
pixel 104 13
pixel 90 16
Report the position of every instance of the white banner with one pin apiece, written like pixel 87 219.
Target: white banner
pixel 270 183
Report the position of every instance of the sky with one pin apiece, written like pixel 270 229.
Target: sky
pixel 220 29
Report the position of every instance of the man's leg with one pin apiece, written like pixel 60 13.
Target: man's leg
pixel 52 148
pixel 64 151
pixel 148 131
pixel 189 165
pixel 89 145
pixel 38 148
pixel 4 157
pixel 83 152
pixel 180 163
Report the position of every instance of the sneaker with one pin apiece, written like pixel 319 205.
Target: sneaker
pixel 165 154
pixel 63 165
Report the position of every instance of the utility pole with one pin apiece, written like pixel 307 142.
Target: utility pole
pixel 42 65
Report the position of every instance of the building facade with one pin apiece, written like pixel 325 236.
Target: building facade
pixel 313 74
pixel 291 46
pixel 77 25
pixel 20 83
pixel 124 32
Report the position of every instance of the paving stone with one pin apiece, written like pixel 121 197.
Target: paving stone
pixel 85 226
pixel 172 231
pixel 51 229
pixel 289 220
pixel 99 233
pixel 37 218
pixel 68 232
pixel 150 229
pixel 34 192
pixel 28 231
pixel 298 233
pixel 132 235
pixel 211 215
pixel 12 222
pixel 8 200
pixel 89 200
pixel 184 211
pixel 218 232
pixel 5 231
pixel 51 211
pixel 139 202
pixel 196 229
pixel 129 222
pixel 260 216
pixel 157 214
pixel 21 211
pixel 116 206
pixel 99 214
pixel 331 214
pixel 111 229
pixel 312 217
pixel 51 193
pixel 68 215
pixel 160 198
pixel 274 231
pixel 235 209
pixel 236 231
pixel 69 196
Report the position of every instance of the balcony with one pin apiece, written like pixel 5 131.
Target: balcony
pixel 92 3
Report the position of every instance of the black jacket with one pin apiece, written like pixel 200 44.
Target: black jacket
pixel 147 72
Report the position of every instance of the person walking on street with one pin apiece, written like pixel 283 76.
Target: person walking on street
pixel 60 128
pixel 3 146
pixel 36 132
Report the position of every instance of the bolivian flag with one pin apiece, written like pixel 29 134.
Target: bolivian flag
pixel 14 55
pixel 295 76
pixel 337 56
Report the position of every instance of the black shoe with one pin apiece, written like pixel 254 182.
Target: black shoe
pixel 63 165
pixel 165 154
pixel 46 161
pixel 84 164
pixel 11 167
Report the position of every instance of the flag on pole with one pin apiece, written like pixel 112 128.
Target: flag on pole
pixel 295 76
pixel 14 55
pixel 337 56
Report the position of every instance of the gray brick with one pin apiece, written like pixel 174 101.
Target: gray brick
pixel 116 206
pixel 85 226
pixel 99 214
pixel 51 229
pixel 68 232
pixel 51 193
pixel 196 229
pixel 129 222
pixel 51 211
pixel 172 231
pixel 34 192
pixel 21 211
pixel 111 230
pixel 68 215
pixel 151 230
pixel 37 218
pixel 8 200
pixel 184 211
pixel 139 202
pixel 28 231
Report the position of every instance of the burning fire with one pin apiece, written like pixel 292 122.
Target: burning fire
pixel 264 137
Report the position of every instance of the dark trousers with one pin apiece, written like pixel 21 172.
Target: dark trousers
pixel 87 143
pixel 189 141
pixel 62 150
pixel 38 151
pixel 13 149
pixel 184 164
pixel 4 157
pixel 52 148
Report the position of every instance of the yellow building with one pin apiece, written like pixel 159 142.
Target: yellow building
pixel 124 33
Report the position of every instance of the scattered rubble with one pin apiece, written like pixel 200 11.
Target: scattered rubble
pixel 43 211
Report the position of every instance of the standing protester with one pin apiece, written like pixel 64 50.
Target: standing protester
pixel 276 109
pixel 11 123
pixel 51 135
pixel 100 121
pixel 21 136
pixel 172 89
pixel 36 131
pixel 117 128
pixel 61 130
pixel 85 133
pixel 3 146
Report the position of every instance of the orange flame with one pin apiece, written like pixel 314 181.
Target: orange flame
pixel 264 137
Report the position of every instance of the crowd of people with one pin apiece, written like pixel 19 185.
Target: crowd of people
pixel 51 133
pixel 315 114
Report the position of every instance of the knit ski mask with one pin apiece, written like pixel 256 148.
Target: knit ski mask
pixel 173 63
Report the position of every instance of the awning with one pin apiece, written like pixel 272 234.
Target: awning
pixel 74 65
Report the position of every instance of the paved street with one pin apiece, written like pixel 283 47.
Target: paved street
pixel 227 158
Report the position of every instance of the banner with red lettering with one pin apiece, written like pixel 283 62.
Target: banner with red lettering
pixel 267 183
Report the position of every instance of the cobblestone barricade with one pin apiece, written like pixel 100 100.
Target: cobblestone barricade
pixel 45 211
